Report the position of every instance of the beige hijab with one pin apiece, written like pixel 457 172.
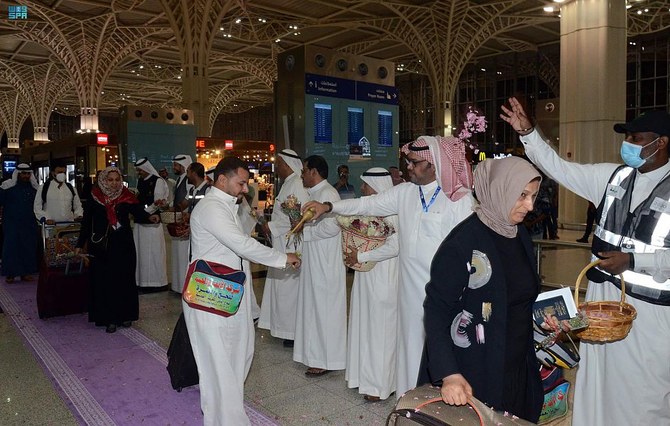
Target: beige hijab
pixel 498 185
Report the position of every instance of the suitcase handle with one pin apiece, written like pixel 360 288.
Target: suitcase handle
pixel 439 399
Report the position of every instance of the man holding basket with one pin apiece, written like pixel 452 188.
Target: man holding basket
pixel 631 238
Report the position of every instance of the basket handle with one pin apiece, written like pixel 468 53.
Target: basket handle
pixel 583 272
pixel 439 399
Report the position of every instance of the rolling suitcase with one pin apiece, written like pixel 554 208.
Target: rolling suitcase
pixel 62 286
pixel 424 406
pixel 181 362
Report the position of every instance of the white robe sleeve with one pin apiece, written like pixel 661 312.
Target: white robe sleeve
pixel 37 205
pixel 76 203
pixel 589 181
pixel 386 251
pixel 383 204
pixel 222 225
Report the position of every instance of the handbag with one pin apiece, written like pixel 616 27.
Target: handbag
pixel 553 352
pixel 556 390
pixel 213 287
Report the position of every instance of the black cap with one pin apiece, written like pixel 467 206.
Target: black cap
pixel 653 121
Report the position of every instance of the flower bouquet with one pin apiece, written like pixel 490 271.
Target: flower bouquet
pixel 365 233
pixel 291 208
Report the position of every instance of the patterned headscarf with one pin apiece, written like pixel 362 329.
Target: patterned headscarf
pixel 498 185
pixel 110 198
pixel 447 154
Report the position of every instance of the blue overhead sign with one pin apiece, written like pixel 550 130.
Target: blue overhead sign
pixel 321 85
pixel 370 92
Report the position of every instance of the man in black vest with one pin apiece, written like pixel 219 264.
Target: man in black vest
pixel 632 238
pixel 180 163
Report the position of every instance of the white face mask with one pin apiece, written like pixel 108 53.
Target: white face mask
pixel 60 177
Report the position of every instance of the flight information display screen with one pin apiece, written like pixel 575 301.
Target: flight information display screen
pixel 323 123
pixel 356 122
pixel 385 128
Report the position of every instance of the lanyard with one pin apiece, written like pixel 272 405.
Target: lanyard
pixel 432 199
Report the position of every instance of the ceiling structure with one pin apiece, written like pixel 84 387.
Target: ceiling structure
pixel 85 56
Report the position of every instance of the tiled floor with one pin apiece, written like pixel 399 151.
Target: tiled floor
pixel 276 385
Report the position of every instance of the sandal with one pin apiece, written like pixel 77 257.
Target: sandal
pixel 315 372
pixel 371 398
pixel 9 279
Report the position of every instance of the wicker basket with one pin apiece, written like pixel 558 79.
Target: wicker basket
pixel 176 227
pixel 608 321
pixel 171 217
pixel 351 238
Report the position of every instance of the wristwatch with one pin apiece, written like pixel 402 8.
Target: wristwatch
pixel 330 206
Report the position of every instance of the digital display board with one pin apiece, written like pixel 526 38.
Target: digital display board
pixel 323 123
pixel 356 125
pixel 385 128
pixel 8 166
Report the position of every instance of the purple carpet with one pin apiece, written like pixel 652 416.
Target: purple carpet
pixel 105 379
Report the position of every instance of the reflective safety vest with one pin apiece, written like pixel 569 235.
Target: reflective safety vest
pixel 644 230
pixel 194 196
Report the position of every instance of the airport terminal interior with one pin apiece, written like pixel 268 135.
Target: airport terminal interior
pixel 94 83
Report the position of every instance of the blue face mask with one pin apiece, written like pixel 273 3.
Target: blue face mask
pixel 630 154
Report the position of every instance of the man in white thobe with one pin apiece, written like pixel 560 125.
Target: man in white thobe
pixel 373 314
pixel 57 200
pixel 179 246
pixel 626 382
pixel 428 208
pixel 280 295
pixel 223 346
pixel 321 319
pixel 152 191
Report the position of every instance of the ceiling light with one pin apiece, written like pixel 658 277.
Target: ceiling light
pixel 238 20
pixel 548 9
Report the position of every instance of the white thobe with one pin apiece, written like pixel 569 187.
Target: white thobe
pixel 420 233
pixel 321 318
pixel 224 347
pixel 626 382
pixel 151 270
pixel 280 294
pixel 373 321
pixel 59 206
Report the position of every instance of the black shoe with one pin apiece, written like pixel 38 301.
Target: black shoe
pixel 583 240
pixel 127 323
pixel 111 328
pixel 287 343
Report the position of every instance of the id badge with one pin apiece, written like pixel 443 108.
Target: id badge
pixel 615 191
pixel 660 205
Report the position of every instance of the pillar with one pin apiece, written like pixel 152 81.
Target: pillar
pixel 195 88
pixel 593 89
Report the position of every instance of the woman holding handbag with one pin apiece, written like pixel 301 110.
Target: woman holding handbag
pixel 106 232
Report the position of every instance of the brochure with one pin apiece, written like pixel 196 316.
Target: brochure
pixel 558 303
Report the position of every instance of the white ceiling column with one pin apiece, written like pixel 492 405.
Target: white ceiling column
pixel 592 88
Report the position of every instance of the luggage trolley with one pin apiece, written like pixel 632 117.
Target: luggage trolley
pixel 62 287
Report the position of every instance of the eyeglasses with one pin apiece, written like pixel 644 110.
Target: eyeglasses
pixel 413 162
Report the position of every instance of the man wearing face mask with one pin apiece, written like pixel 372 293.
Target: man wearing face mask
pixel 632 237
pixel 57 200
